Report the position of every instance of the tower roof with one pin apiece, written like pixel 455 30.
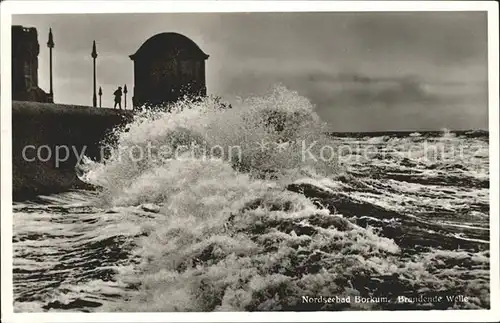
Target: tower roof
pixel 172 43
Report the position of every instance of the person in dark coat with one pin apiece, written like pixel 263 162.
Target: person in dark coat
pixel 118 97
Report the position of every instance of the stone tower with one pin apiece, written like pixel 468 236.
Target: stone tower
pixel 25 50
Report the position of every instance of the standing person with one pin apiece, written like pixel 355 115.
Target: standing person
pixel 118 97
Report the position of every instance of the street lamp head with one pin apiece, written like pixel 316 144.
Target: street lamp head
pixel 94 51
pixel 50 43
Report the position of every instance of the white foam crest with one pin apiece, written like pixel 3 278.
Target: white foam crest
pixel 262 136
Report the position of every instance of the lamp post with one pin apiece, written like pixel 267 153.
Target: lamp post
pixel 125 92
pixel 50 45
pixel 94 56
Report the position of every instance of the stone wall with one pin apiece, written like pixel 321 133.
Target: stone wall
pixel 38 128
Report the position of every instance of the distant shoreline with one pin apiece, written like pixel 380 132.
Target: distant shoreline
pixel 428 133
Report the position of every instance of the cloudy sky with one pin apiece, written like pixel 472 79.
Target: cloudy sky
pixel 363 71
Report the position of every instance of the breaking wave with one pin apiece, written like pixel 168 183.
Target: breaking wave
pixel 260 136
pixel 261 229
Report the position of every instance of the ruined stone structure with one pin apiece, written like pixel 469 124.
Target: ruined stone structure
pixel 167 67
pixel 25 50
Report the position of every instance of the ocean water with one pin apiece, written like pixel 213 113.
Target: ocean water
pixel 265 210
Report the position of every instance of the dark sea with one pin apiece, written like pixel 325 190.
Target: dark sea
pixel 388 221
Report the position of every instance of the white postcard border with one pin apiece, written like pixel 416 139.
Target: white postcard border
pixel 9 8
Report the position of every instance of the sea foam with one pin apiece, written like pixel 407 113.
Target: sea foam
pixel 223 233
pixel 263 137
